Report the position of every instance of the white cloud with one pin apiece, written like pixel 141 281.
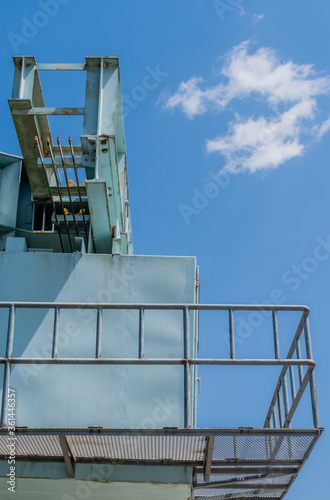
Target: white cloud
pixel 266 141
pixel 256 18
pixel 323 128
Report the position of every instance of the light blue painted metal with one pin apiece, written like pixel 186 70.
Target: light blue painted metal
pixel 98 193
pixel 10 173
pixel 103 152
pixel 145 395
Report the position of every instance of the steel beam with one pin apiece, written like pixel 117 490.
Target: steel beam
pixel 208 458
pixel 68 457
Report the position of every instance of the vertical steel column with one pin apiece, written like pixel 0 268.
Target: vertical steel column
pixel 187 405
pixel 98 333
pixel 100 103
pixel 141 333
pixel 56 330
pixel 312 384
pixel 231 334
pixel 21 82
pixel 6 378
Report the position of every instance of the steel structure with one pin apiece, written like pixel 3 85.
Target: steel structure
pixel 80 203
pixel 101 156
pixel 227 462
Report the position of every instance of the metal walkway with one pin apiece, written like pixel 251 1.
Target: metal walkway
pixel 228 463
pixel 237 464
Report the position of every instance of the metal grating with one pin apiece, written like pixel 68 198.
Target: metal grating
pixel 239 493
pixel 228 463
pixel 263 447
pixel 150 448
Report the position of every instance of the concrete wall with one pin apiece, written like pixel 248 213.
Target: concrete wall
pixel 107 396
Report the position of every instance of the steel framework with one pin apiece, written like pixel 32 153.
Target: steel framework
pixel 228 463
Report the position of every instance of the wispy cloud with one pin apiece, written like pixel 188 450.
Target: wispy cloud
pixel 289 92
pixel 322 129
pixel 256 18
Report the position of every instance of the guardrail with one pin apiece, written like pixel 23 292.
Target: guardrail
pixel 281 391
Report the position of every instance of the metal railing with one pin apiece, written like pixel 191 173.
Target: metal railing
pixel 281 391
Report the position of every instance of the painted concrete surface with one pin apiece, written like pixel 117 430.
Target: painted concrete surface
pixel 32 489
pixel 107 396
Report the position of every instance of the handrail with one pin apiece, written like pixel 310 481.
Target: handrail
pixel 281 390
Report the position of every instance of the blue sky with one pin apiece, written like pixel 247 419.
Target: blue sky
pixel 228 157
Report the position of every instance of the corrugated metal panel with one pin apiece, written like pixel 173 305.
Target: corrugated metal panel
pixel 178 448
pixel 41 446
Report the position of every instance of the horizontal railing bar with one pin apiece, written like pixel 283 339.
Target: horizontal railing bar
pixel 247 486
pixel 48 111
pixel 174 431
pixel 237 496
pixel 104 461
pixel 252 470
pixel 60 67
pixel 159 361
pixel 66 150
pixel 220 470
pixel 191 307
pixel 232 482
pixel 268 463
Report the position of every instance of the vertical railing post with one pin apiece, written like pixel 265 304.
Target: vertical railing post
pixel 187 398
pixel 274 418
pixel 300 368
pixel 9 352
pixel 98 333
pixel 279 406
pixel 278 356
pixel 231 334
pixel 56 331
pixel 275 333
pixel 312 384
pixel 141 333
pixel 292 383
pixel 285 393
